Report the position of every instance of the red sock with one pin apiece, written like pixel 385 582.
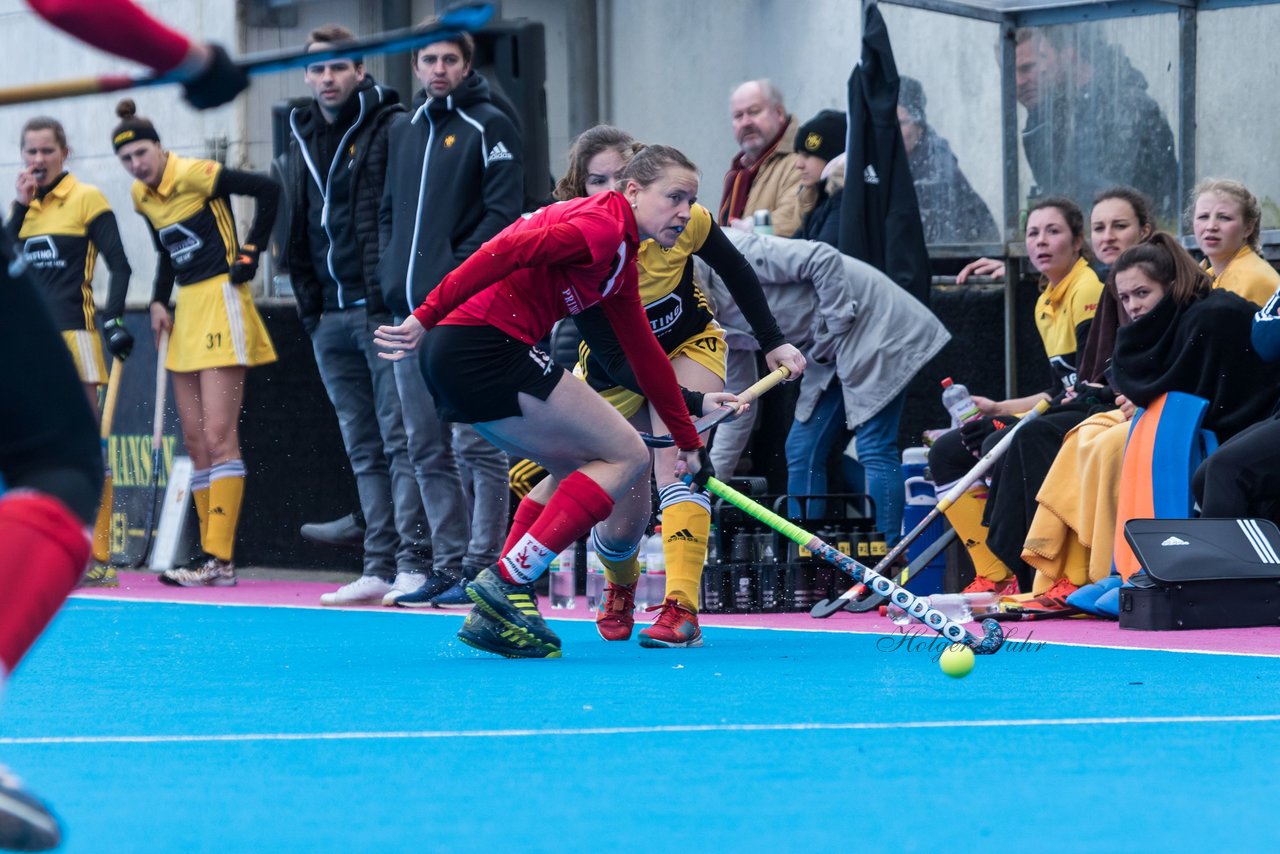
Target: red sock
pixel 44 548
pixel 527 512
pixel 577 504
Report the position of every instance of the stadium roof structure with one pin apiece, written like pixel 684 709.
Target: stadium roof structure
pixel 1024 13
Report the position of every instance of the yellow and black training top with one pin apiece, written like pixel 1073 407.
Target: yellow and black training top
pixel 61 234
pixel 189 213
pixel 676 306
pixel 1063 316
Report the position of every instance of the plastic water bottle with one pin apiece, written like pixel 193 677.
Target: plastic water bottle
pixel 595 578
pixel 956 399
pixel 560 578
pixel 762 221
pixel 959 607
pixel 656 566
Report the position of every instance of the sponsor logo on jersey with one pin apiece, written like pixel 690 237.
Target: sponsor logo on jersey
pixel 181 243
pixel 869 175
pixel 451 139
pixel 498 152
pixel 42 253
pixel 664 313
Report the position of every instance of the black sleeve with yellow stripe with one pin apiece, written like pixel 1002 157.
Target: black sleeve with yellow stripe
pixel 190 215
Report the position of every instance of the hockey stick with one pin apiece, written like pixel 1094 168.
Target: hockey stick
pixel 727 412
pixel 827 607
pixel 463 19
pixel 157 446
pixel 109 401
pixel 916 606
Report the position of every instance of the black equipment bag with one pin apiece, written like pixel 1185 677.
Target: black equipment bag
pixel 1202 574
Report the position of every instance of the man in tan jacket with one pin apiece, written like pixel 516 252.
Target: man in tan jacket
pixel 763 174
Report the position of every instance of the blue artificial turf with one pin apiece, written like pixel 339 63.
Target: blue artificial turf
pixel 615 747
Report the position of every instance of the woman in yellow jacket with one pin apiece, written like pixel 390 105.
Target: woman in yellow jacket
pixel 63 226
pixel 216 332
pixel 1227 222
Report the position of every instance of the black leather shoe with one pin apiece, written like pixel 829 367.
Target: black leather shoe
pixel 347 532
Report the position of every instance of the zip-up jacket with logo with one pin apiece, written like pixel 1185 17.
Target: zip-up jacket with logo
pixel 455 179
pixel 336 192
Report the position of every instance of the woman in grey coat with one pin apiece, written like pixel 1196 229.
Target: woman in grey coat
pixel 865 339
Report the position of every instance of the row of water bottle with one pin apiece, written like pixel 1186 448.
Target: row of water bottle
pixel 651 587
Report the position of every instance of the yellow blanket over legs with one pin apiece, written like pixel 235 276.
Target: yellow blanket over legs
pixel 1074 527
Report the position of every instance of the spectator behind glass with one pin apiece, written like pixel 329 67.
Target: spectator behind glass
pixel 1227 222
pixel 762 174
pixel 1055 244
pixel 950 209
pixel 1090 121
pixel 820 161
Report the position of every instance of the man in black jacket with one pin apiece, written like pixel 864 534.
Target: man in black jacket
pixel 337 168
pixel 454 180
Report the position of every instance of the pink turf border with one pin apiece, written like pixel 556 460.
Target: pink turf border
pixel 144 587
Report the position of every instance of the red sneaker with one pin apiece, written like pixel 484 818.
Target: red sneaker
pixel 982 584
pixel 1053 599
pixel 616 616
pixel 676 626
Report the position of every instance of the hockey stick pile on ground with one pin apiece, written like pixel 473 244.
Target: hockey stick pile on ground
pixel 917 606
pixel 827 607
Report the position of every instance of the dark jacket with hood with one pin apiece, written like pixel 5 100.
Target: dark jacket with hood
pixel 455 179
pixel 336 174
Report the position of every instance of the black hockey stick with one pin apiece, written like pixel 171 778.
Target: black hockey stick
pixel 827 607
pixel 463 19
pixel 157 447
pixel 917 606
pixel 725 413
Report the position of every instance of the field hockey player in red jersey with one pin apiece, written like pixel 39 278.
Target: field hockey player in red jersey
pixel 482 368
pixel 49 449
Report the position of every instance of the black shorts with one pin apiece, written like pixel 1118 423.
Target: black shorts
pixel 476 372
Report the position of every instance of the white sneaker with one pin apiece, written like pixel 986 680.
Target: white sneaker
pixel 367 589
pixel 406 582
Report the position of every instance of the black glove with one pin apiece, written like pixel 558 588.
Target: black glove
pixel 245 267
pixel 705 471
pixel 974 433
pixel 218 83
pixel 693 400
pixel 311 323
pixel 119 339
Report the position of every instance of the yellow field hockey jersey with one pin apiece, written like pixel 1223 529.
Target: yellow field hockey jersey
pixel 190 224
pixel 1060 311
pixel 55 240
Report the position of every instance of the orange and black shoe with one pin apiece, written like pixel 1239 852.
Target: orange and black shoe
pixel 676 626
pixel 616 617
pixel 982 584
pixel 1052 600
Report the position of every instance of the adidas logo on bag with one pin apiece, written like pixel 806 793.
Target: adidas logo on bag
pixel 500 152
pixel 1175 541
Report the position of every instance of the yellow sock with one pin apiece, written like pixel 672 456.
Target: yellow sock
pixel 686 526
pixel 200 495
pixel 226 493
pixel 622 572
pixel 102 527
pixel 1076 562
pixel 966 517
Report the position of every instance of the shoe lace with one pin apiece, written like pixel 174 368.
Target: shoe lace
pixel 672 612
pixel 619 598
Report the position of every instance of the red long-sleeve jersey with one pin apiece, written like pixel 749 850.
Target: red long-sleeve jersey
pixel 565 258
pixel 119 27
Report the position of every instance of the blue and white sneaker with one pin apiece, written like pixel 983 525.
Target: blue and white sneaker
pixel 454 597
pixel 436 583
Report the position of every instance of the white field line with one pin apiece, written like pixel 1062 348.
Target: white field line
pixel 412 735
